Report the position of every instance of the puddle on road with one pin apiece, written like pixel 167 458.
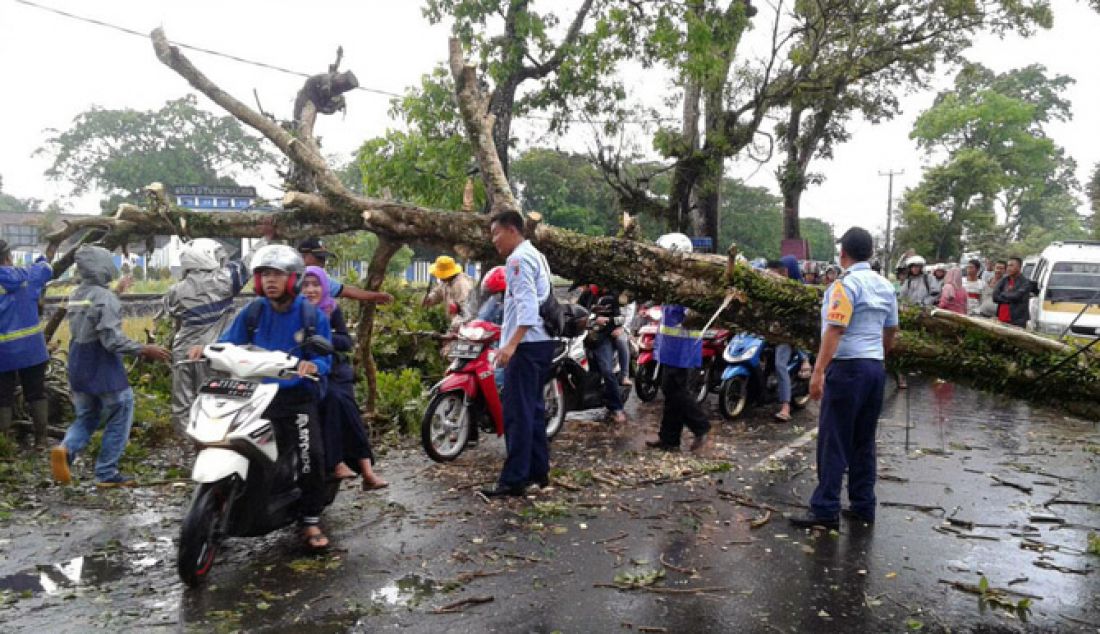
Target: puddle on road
pixel 408 591
pixel 88 570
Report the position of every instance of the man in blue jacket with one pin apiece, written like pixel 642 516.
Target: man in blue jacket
pixel 281 321
pixel 23 355
pixel 679 351
pixel 101 389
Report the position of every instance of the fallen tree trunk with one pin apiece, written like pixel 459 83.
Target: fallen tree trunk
pixel 941 345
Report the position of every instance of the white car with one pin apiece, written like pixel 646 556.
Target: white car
pixel 1067 277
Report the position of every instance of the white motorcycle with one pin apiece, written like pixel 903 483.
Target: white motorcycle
pixel 244 486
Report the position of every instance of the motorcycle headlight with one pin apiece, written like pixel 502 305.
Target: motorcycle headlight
pixel 476 333
pixel 744 355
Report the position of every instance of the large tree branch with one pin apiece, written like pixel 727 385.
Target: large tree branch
pixel 473 104
pixel 555 61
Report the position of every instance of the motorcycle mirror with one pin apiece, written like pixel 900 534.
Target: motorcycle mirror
pixel 320 344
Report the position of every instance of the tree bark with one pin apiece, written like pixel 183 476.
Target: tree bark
pixel 376 275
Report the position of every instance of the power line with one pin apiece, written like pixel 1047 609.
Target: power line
pixel 190 47
pixel 287 71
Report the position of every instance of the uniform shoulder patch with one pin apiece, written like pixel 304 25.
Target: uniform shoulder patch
pixel 839 309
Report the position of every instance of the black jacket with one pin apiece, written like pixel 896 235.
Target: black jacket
pixel 1017 299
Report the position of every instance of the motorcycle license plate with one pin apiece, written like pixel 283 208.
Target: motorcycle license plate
pixel 465 350
pixel 228 387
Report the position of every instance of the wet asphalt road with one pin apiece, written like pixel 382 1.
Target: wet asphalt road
pixel 88 560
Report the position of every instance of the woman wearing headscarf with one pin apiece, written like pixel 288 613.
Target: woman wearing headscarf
pixel 346 440
pixel 783 351
pixel 953 293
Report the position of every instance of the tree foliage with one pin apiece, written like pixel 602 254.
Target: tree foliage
pixel 11 203
pixel 428 161
pixel 120 151
pixel 567 189
pixel 1094 199
pixel 1000 178
pixel 856 57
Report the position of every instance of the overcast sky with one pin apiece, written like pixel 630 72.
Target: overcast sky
pixel 55 68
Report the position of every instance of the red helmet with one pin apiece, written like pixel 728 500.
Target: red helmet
pixel 494 281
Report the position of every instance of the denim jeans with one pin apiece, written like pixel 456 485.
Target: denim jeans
pixel 622 348
pixel 116 411
pixel 782 375
pixel 602 358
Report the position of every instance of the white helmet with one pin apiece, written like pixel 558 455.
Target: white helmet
pixel 915 260
pixel 675 242
pixel 279 257
pixel 202 254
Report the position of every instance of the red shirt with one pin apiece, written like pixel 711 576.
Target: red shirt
pixel 1003 312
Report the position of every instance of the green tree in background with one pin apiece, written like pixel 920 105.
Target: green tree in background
pixel 1000 178
pixel 120 151
pixel 567 189
pixel 11 203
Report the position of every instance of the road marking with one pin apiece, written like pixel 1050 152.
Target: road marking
pixel 786 450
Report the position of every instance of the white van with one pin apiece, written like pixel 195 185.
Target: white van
pixel 1068 280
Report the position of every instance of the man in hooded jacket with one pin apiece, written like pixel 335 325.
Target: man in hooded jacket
pixel 202 305
pixel 100 388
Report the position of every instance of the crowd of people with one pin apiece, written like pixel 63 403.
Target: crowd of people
pixel 320 420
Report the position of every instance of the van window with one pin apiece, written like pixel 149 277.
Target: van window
pixel 1039 271
pixel 1028 268
pixel 1073 282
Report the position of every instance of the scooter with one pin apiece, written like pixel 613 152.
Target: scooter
pixel 647 376
pixel 583 383
pixel 467 400
pixel 748 377
pixel 245 486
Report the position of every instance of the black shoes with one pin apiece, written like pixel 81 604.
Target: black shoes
pixel 662 445
pixel 852 516
pixel 542 482
pixel 811 521
pixel 502 491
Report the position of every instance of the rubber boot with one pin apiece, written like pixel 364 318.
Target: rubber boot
pixel 5 421
pixel 40 415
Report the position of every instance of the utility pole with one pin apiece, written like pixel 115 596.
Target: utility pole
pixel 889 211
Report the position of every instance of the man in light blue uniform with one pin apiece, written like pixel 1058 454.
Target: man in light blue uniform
pixel 859 319
pixel 525 354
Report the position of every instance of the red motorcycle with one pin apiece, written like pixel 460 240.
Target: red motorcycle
pixel 708 377
pixel 467 400
pixel 647 375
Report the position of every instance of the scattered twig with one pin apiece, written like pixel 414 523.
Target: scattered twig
pixel 891 478
pixel 1080 621
pixel 1009 483
pixel 686 571
pixel 602 479
pixel 743 500
pixel 1048 565
pixel 457 606
pixel 703 590
pixel 484 498
pixel 652 628
pixel 522 557
pixel 973 588
pixel 925 508
pixel 760 521
pixel 1018 580
pixel 565 485
pixel 621 535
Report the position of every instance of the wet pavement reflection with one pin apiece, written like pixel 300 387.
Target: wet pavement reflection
pixel 971 486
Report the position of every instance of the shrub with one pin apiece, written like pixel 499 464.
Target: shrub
pixel 401 400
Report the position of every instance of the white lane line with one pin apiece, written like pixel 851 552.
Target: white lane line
pixel 786 450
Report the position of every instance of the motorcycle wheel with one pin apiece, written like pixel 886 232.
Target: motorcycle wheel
pixel 645 382
pixel 445 427
pixel 553 397
pixel 198 535
pixel 733 397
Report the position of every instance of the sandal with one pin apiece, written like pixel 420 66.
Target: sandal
pixel 314 539
pixel 783 418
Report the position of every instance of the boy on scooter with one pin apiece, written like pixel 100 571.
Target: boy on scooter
pixel 284 321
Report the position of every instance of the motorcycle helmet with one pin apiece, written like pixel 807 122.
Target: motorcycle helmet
pixel 494 282
pixel 675 242
pixel 915 260
pixel 281 258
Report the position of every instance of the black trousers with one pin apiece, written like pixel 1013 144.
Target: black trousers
pixel 680 407
pixel 293 414
pixel 33 380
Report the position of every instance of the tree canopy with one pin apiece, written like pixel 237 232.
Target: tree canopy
pixel 1000 179
pixel 120 151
